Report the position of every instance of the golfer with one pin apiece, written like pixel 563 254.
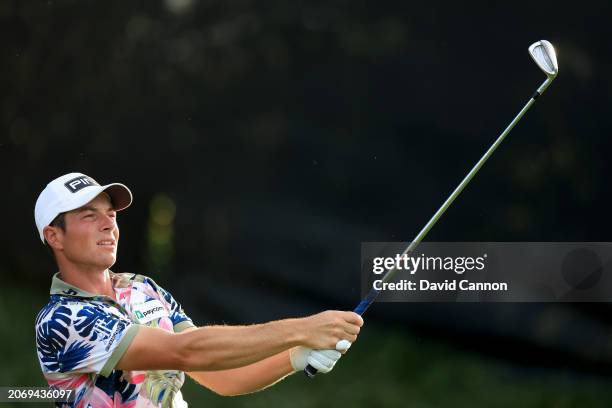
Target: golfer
pixel 121 340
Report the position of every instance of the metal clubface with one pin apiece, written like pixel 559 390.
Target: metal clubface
pixel 543 53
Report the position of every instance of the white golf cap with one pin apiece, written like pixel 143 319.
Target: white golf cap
pixel 72 191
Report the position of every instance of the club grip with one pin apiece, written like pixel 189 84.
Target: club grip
pixel 310 371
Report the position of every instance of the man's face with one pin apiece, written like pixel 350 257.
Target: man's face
pixel 91 236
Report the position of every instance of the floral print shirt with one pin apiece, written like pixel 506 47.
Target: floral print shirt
pixel 80 337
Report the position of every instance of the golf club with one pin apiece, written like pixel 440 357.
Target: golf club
pixel 544 55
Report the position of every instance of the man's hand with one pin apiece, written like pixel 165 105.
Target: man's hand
pixel 323 360
pixel 324 330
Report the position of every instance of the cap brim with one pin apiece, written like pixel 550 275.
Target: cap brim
pixel 120 195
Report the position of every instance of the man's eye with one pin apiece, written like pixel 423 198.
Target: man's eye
pixel 89 216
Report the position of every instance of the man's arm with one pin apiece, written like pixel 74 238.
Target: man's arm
pixel 213 348
pixel 247 379
pixel 267 372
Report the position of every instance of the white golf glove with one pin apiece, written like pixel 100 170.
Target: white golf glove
pixel 323 360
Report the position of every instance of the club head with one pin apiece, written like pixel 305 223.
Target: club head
pixel 544 55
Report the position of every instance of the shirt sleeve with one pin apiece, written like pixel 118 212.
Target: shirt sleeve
pixel 82 338
pixel 180 320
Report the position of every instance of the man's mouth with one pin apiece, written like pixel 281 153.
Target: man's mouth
pixel 107 243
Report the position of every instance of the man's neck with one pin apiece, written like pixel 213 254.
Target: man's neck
pixel 96 281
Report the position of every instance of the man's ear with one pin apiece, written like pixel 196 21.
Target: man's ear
pixel 54 237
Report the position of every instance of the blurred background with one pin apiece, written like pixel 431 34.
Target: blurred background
pixel 264 141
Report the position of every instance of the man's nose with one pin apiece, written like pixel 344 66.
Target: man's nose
pixel 108 223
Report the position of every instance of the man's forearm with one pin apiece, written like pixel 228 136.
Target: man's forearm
pixel 247 379
pixel 214 348
pixel 225 347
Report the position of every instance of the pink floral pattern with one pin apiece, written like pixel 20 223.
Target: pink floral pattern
pixel 77 334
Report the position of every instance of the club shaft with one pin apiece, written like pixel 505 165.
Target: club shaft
pixel 373 294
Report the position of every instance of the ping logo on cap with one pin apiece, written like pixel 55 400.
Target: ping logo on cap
pixel 80 182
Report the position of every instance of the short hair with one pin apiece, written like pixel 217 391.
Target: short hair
pixel 59 222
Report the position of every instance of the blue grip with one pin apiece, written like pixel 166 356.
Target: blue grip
pixel 366 302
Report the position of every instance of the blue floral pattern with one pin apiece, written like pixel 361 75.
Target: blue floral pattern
pixel 93 316
pixel 73 355
pixel 52 335
pixel 76 335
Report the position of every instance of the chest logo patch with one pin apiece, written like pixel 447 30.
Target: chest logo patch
pixel 151 310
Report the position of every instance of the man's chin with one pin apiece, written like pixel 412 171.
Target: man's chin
pixel 112 262
pixel 108 261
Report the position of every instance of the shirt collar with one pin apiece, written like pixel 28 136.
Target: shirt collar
pixel 59 287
